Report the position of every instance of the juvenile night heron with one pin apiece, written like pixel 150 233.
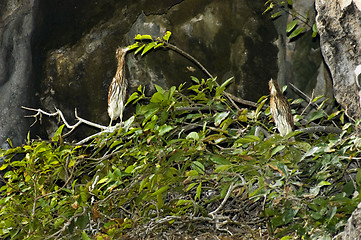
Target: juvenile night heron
pixel 280 109
pixel 118 88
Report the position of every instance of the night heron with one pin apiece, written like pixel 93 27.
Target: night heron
pixel 280 109
pixel 118 88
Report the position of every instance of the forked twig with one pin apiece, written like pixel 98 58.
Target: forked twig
pixel 58 113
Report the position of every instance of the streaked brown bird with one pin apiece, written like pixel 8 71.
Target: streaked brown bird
pixel 118 88
pixel 280 109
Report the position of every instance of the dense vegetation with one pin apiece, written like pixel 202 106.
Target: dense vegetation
pixel 185 165
pixel 189 162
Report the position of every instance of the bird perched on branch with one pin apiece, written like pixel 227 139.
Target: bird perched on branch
pixel 118 88
pixel 280 109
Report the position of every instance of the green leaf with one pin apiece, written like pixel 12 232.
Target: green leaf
pixel 323 183
pixel 225 83
pixel 157 97
pixel 270 7
pixel 289 215
pixel 5 165
pixel 291 25
pixel 275 15
pixel 316 115
pixel 143 37
pixel 57 134
pixel 148 47
pixel 10 143
pixel 171 92
pixel 190 186
pixel 334 114
pixel 129 169
pixel 139 49
pixel 184 202
pixel 194 79
pixel 58 222
pixel 277 149
pixel 297 101
pixel 159 45
pixel 198 192
pixel 132 97
pixel 246 139
pixel 160 190
pixel 164 129
pixel 296 32
pixel 348 188
pixel 167 36
pixel 219 160
pixel 85 236
pixel 159 88
pixel 219 117
pixel 193 136
pixel 133 46
pixel 314 30
pixel 199 167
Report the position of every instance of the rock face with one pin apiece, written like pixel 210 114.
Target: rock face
pixel 352 228
pixel 17 26
pixel 67 61
pixel 338 23
pixel 230 38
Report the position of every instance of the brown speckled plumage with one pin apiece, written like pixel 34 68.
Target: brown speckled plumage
pixel 118 88
pixel 280 109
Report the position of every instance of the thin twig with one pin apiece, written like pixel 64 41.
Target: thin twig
pixel 230 97
pixel 53 236
pixel 230 189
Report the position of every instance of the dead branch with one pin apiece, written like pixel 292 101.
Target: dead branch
pixel 40 112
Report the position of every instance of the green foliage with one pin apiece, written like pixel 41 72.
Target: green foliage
pixel 299 23
pixel 145 43
pixel 185 162
pixel 177 157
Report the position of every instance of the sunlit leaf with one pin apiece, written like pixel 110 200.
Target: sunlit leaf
pixel 164 129
pixel 291 25
pixel 198 166
pixel 296 32
pixel 57 134
pixel 139 37
pixel 193 136
pixel 148 47
pixel 139 49
pixel 167 36
pixel 219 117
pixel 275 15
pixel 157 97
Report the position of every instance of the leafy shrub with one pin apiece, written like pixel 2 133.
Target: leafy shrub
pixel 182 165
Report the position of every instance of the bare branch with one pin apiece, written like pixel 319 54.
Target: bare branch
pixel 230 189
pixel 325 129
pixel 40 112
